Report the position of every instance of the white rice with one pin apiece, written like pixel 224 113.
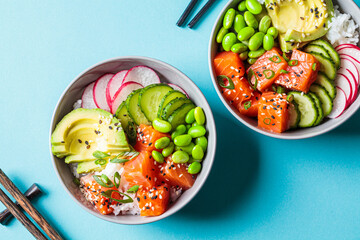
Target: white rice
pixel 77 104
pixel 342 29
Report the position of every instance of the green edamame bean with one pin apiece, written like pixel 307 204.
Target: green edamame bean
pixel 222 32
pixel 245 33
pixel 254 6
pixel 199 115
pixel 190 118
pixel 229 18
pixel 168 150
pixel 256 41
pixel 197 152
pixel 181 129
pixel 242 6
pixel 191 160
pixel 187 149
pixel 268 42
pixel 239 22
pixel 273 32
pixel 194 168
pixel 188 127
pixel 238 48
pixel 228 41
pixel 244 55
pixel 246 42
pixel 195 124
pixel 180 157
pixel 197 131
pixel 251 20
pixel 162 143
pixel 264 24
pixel 161 125
pixel 202 141
pixel 256 54
pixel 251 61
pixel 157 156
pixel 183 140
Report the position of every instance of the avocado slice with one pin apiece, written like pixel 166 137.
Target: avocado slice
pixel 83 131
pixel 89 166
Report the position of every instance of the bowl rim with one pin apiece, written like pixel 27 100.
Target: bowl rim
pixel 210 159
pixel 349 111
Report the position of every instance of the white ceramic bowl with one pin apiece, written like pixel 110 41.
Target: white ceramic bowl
pixel 347 6
pixel 168 74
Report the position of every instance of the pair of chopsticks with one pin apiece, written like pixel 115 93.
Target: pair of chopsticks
pixel 197 17
pixel 28 207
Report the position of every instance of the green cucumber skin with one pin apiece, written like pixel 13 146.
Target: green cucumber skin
pixel 172 106
pixel 326 83
pixel 318 104
pixel 334 55
pixel 178 116
pixel 167 98
pixel 311 48
pixel 298 117
pixel 329 68
pixel 327 102
pixel 303 116
pixel 134 111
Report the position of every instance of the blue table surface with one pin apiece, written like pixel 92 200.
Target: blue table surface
pixel 259 188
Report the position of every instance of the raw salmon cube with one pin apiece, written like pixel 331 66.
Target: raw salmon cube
pixel 154 201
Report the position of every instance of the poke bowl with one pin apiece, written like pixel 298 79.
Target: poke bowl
pixel 316 88
pixel 116 162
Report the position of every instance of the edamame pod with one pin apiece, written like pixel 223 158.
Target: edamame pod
pixel 268 42
pixel 183 140
pixel 168 150
pixel 197 152
pixel 239 48
pixel 256 41
pixel 228 41
pixel 229 18
pixel 187 149
pixel 242 6
pixel 245 33
pixel 253 6
pixel 190 118
pixel 157 156
pixel 162 143
pixel 194 168
pixel 251 20
pixel 244 55
pixel 264 24
pixel 181 129
pixel 161 125
pixel 197 131
pixel 256 54
pixel 199 115
pixel 221 34
pixel 239 22
pixel 273 32
pixel 202 141
pixel 180 157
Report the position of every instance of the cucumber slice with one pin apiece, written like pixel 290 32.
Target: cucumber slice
pixel 150 98
pixel 310 48
pixel 327 104
pixel 307 108
pixel 294 115
pixel 178 116
pixel 331 51
pixel 318 104
pixel 134 110
pixel 172 106
pixel 326 83
pixel 327 65
pixel 168 97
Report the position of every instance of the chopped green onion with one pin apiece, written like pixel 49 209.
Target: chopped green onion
pixel 119 160
pixel 100 162
pixel 108 194
pixel 267 76
pixel 221 82
pixel 103 181
pixel 117 179
pixel 280 90
pixel 276 60
pixel 99 154
pixel 273 87
pixel 267 121
pixel 290 98
pixel 133 189
pixel 284 71
pixel 247 105
pixel 250 75
pixel 131 154
pixel 76 181
pixel 294 62
pixel 314 66
pixel 285 57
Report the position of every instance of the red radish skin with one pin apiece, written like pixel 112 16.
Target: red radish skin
pixel 352 81
pixel 346 46
pixel 352 52
pixel 100 91
pixel 123 93
pixel 343 82
pixel 353 67
pixel 87 98
pixel 340 104
pixel 142 75
pixel 176 87
pixel 114 85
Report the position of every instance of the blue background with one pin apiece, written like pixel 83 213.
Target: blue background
pixel 259 188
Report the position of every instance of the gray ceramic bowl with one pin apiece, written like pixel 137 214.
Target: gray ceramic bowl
pixel 347 6
pixel 168 74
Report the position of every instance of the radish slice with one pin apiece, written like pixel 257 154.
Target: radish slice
pixel 142 75
pixel 87 98
pixel 343 82
pixel 353 82
pixel 123 93
pixel 352 52
pixel 340 104
pixel 353 67
pixel 114 85
pixel 346 46
pixel 176 87
pixel 100 91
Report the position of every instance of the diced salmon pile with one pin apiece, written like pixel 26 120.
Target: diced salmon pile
pixel 153 201
pixel 253 95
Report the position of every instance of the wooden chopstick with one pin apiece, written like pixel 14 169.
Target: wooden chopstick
pixel 15 211
pixel 202 11
pixel 186 13
pixel 28 207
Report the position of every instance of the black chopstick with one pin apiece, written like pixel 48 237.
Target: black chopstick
pixel 186 13
pixel 202 11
